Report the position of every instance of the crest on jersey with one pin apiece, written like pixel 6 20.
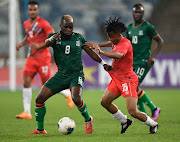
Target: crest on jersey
pixel 77 43
pixel 129 32
pixel 58 42
pixel 140 32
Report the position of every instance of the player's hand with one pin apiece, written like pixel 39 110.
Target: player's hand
pixel 18 46
pixel 151 61
pixel 107 67
pixel 57 36
pixel 90 45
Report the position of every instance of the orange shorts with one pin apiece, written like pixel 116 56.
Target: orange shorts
pixel 38 65
pixel 125 88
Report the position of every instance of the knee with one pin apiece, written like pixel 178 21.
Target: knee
pixel 39 99
pixel 104 103
pixel 77 100
pixel 27 83
pixel 132 112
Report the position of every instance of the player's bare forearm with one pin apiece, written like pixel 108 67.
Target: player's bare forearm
pixel 159 41
pixel 97 58
pixel 24 42
pixel 105 44
pixel 114 55
pixel 92 54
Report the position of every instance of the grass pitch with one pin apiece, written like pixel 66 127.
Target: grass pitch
pixel 106 128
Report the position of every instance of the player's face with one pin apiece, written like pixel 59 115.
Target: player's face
pixel 138 14
pixel 33 11
pixel 114 37
pixel 67 27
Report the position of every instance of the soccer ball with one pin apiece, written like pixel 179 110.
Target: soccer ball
pixel 66 125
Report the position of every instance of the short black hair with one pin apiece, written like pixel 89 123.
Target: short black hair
pixel 33 3
pixel 138 5
pixel 114 25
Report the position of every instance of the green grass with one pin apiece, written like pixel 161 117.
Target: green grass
pixel 106 128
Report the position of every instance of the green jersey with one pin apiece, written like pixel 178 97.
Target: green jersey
pixel 141 38
pixel 67 54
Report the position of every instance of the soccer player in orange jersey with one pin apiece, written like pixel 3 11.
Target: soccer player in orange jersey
pixel 124 81
pixel 39 58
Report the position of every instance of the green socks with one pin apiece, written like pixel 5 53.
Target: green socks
pixel 84 111
pixel 144 99
pixel 40 112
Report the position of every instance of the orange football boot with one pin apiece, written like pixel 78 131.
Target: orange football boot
pixel 38 132
pixel 24 115
pixel 89 126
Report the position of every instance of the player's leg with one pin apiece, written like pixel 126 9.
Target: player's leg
pixel 141 70
pixel 45 73
pixel 28 75
pixel 110 94
pixel 140 106
pixel 51 87
pixel 133 111
pixel 67 94
pixel 143 98
pixel 76 88
pixel 40 109
pixel 82 107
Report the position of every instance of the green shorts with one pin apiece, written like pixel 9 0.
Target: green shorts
pixel 59 82
pixel 141 69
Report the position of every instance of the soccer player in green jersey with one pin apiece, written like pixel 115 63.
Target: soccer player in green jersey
pixel 141 33
pixel 67 47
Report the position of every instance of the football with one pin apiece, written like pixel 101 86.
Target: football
pixel 66 125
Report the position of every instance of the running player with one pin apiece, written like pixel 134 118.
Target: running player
pixel 141 33
pixel 67 47
pixel 124 80
pixel 39 57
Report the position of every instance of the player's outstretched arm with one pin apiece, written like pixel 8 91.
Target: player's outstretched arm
pixel 114 55
pixel 105 44
pixel 97 58
pixel 24 42
pixel 159 41
pixel 49 41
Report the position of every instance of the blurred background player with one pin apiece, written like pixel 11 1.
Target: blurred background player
pixel 39 57
pixel 124 81
pixel 141 33
pixel 67 47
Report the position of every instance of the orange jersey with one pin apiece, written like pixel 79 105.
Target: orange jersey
pixel 123 68
pixel 37 33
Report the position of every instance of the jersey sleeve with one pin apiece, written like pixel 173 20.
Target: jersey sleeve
pixel 123 48
pixel 83 39
pixel 47 28
pixel 50 36
pixel 151 30
pixel 24 25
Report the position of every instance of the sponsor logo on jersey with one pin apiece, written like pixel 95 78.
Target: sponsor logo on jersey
pixel 140 32
pixel 77 43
